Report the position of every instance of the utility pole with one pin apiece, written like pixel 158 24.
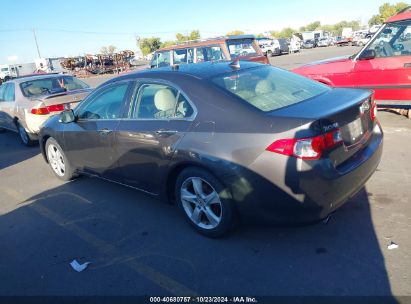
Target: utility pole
pixel 37 45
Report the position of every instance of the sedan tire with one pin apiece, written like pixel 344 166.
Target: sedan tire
pixel 24 136
pixel 58 161
pixel 205 202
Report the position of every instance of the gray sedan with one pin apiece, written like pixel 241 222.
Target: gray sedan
pixel 222 140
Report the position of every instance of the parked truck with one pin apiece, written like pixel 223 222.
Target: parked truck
pixel 7 72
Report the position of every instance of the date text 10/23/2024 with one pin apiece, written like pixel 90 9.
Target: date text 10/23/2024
pixel 200 299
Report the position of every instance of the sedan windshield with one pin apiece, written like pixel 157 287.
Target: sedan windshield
pixel 46 86
pixel 268 88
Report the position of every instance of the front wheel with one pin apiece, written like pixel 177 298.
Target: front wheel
pixel 205 202
pixel 58 161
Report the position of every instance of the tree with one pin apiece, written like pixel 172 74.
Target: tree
pixel 194 35
pixel 235 32
pixel 313 26
pixel 168 43
pixel 108 50
pixel 386 11
pixel 338 27
pixel 149 45
pixel 274 33
pixel 286 32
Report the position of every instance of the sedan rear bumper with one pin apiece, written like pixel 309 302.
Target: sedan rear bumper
pixel 301 194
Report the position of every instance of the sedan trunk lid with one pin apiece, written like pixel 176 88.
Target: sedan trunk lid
pixel 348 110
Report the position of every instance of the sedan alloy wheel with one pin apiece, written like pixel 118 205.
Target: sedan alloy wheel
pixel 201 203
pixel 56 160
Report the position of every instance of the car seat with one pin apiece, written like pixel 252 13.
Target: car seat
pixel 165 102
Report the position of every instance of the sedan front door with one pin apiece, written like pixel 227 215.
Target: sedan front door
pixel 90 140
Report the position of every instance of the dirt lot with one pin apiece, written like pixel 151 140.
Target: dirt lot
pixel 140 246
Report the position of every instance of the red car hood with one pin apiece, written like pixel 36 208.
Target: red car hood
pixel 325 61
pixel 319 69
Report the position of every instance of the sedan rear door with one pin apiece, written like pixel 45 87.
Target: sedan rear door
pixel 159 117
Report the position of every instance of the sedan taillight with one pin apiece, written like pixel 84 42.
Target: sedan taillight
pixel 48 109
pixel 373 111
pixel 306 148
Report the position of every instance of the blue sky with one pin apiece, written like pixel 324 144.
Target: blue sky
pixel 66 28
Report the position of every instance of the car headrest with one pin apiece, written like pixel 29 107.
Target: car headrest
pixel 35 91
pixel 263 87
pixel 164 100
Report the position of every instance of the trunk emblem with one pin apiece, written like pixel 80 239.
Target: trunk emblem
pixel 330 127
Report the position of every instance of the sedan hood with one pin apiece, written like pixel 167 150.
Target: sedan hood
pixel 329 60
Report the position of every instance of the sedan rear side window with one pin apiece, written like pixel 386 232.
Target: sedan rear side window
pixel 268 88
pixel 9 94
pixel 157 101
pixel 2 91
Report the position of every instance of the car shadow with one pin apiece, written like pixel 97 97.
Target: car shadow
pixel 12 151
pixel 140 246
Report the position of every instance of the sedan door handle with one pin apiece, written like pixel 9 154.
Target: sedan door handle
pixel 105 131
pixel 169 132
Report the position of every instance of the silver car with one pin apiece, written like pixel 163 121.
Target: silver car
pixel 27 102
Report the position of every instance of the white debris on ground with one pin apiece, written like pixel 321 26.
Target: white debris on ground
pixel 79 267
pixel 392 246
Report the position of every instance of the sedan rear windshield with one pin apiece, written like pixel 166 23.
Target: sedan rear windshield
pixel 46 86
pixel 268 88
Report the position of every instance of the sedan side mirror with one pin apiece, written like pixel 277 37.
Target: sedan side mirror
pixel 67 116
pixel 367 54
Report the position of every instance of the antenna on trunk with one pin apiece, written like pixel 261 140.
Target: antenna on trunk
pixel 235 64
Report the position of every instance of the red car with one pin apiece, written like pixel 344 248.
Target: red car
pixel 383 65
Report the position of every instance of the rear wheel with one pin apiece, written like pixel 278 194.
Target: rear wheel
pixel 58 161
pixel 205 203
pixel 269 54
pixel 24 136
